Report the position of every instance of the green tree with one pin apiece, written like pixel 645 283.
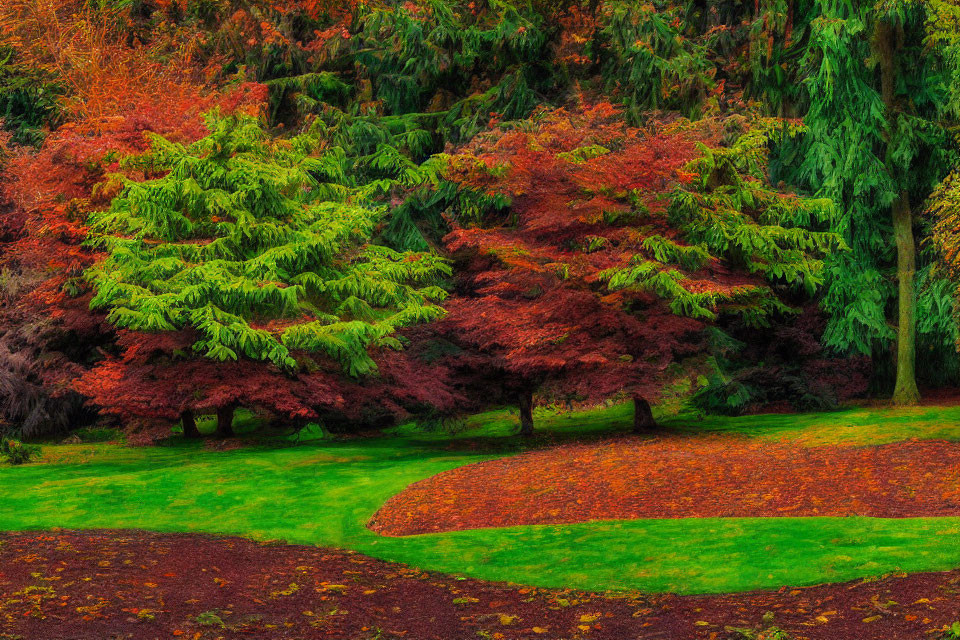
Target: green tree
pixel 877 146
pixel 650 62
pixel 260 247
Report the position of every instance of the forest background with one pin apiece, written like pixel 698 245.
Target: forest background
pixel 356 213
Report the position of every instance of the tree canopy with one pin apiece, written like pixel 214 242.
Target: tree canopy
pixel 246 241
pixel 583 199
pixel 610 248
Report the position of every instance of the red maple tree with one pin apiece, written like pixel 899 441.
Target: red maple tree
pixel 115 93
pixel 587 195
pixel 154 382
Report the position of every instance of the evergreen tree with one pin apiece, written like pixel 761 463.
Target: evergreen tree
pixel 257 246
pixel 876 145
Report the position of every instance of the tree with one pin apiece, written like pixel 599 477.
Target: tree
pixel 253 249
pixel 876 145
pixel 78 95
pixel 599 251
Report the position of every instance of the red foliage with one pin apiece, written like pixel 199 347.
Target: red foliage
pixel 52 191
pixel 123 575
pixel 530 299
pixel 147 382
pixel 157 378
pixel 682 477
pixel 113 101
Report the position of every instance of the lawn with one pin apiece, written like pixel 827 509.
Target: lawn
pixel 323 492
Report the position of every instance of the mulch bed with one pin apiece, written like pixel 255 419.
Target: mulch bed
pixel 678 477
pixel 101 585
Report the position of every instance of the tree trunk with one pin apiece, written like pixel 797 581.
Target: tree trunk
pixel 189 425
pixel 526 413
pixel 643 421
pixel 905 392
pixel 225 421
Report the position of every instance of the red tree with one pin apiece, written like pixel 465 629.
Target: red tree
pixel 588 284
pixel 115 93
pixel 156 382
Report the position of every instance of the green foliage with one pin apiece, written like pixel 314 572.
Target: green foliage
pixel 736 384
pixel 649 61
pixel 306 93
pixel 582 154
pixel 845 156
pixel 261 248
pixel 843 161
pixel 777 35
pixel 937 331
pixel 99 434
pixel 763 633
pixel 754 303
pixel 28 100
pixel 723 396
pixel 943 33
pixel 441 423
pixel 16 452
pixel 421 75
pixel 745 390
pixel 730 212
pixel 391 159
pixel 687 257
pixel 211 619
pixel 410 51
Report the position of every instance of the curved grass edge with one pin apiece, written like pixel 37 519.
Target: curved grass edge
pixel 687 556
pixel 325 493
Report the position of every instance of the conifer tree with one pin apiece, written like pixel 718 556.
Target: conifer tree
pixel 257 247
pixel 877 146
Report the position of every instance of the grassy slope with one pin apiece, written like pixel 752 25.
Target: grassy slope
pixel 323 493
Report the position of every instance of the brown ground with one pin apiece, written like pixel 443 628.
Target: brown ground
pixel 102 585
pixel 681 477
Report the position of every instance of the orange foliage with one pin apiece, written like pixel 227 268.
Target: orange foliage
pixel 114 94
pixel 83 50
pixel 702 477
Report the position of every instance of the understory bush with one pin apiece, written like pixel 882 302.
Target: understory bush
pixel 436 422
pixel 16 452
pixel 781 367
pixel 98 434
pixel 31 406
pixel 762 387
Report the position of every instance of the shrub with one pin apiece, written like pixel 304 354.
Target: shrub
pixel 442 422
pixel 210 619
pixel 770 633
pixel 952 633
pixel 17 452
pixel 99 434
pixel 32 403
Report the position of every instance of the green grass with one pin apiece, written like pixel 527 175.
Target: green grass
pixel 857 426
pixel 324 492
